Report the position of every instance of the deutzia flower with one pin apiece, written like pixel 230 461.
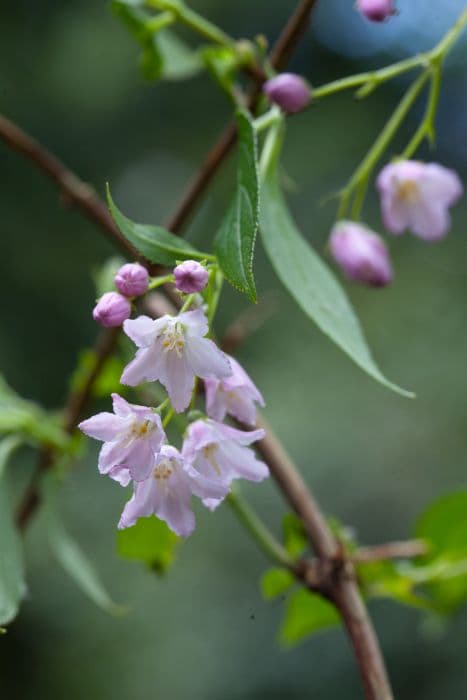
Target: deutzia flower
pixel 173 350
pixel 417 196
pixel 220 452
pixel 235 395
pixel 167 493
pixel 132 437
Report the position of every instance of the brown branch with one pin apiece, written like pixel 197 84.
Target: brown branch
pixel 391 550
pixel 341 586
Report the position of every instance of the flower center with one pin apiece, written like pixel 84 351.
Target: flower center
pixel 407 190
pixel 210 452
pixel 173 338
pixel 164 470
pixel 141 430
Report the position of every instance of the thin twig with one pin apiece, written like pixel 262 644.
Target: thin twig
pixel 391 550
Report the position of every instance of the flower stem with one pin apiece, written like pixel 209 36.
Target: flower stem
pixel 159 281
pixel 257 529
pixel 185 15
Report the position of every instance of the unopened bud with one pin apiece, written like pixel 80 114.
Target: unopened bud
pixel 289 91
pixel 132 280
pixel 361 254
pixel 190 277
pixel 376 10
pixel 111 310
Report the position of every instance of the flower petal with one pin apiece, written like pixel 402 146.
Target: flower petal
pixel 242 462
pixel 179 380
pixel 102 426
pixel 146 366
pixel 143 330
pixel 195 322
pixel 205 358
pixel 139 506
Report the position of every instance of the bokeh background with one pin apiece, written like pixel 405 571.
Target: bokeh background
pixel 68 75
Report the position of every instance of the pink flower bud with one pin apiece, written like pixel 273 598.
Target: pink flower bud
pixel 190 277
pixel 361 254
pixel 111 310
pixel 376 10
pixel 289 91
pixel 132 280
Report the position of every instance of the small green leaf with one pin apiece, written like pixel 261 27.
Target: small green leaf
pixel 104 275
pixel 179 61
pixel 305 614
pixel 108 380
pixel 276 581
pixel 385 579
pixel 221 62
pixel 235 240
pixel 12 583
pixel 154 242
pixel 295 539
pixel 149 541
pixel 444 524
pixel 310 282
pixel 72 558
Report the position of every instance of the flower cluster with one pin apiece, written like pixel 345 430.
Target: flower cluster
pixel 414 196
pixel 174 351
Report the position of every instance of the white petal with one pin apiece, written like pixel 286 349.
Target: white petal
pixel 103 426
pixel 195 322
pixel 429 220
pixel 179 380
pixel 205 358
pixel 121 407
pixel 175 507
pixel 146 366
pixel 242 462
pixel 144 330
pixel 139 506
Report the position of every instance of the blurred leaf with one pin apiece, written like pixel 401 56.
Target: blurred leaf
pixel 443 571
pixel 385 579
pixel 222 62
pixel 104 275
pixel 12 583
pixel 295 539
pixel 149 541
pixel 108 380
pixel 276 581
pixel 164 55
pixel 305 614
pixel 310 282
pixel 235 240
pixel 154 242
pixel 71 557
pixel 20 416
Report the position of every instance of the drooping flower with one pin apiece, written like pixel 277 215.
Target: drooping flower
pixel 111 310
pixel 132 438
pixel 167 493
pixel 235 395
pixel 190 277
pixel 132 280
pixel 361 254
pixel 376 10
pixel 417 196
pixel 173 350
pixel 289 91
pixel 220 452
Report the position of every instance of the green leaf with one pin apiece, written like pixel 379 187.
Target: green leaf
pixel 12 583
pixel 276 581
pixel 309 281
pixel 71 557
pixel 108 380
pixel 20 416
pixel 154 242
pixel 443 571
pixel 179 61
pixel 221 62
pixel 305 614
pixel 386 579
pixel 235 240
pixel 295 539
pixel 149 541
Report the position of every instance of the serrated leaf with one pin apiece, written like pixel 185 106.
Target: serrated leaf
pixel 149 541
pixel 276 581
pixel 72 558
pixel 12 583
pixel 305 614
pixel 235 240
pixel 308 279
pixel 154 242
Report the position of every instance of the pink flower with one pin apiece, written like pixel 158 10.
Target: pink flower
pixel 190 277
pixel 132 280
pixel 376 10
pixel 132 437
pixel 417 196
pixel 361 254
pixel 111 310
pixel 235 395
pixel 220 452
pixel 173 350
pixel 167 493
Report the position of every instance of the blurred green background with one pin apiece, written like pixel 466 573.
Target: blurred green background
pixel 69 76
